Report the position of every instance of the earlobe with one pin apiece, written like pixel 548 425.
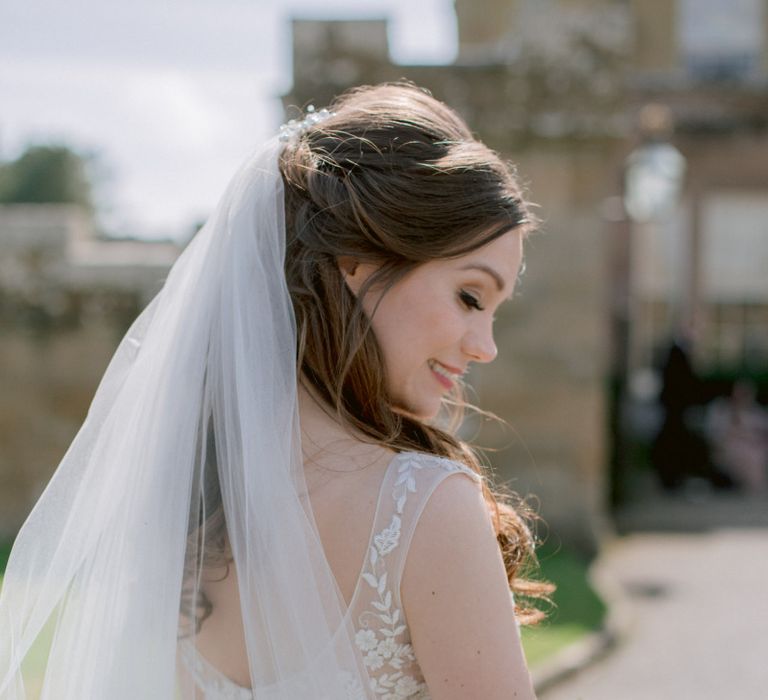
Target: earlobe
pixel 349 268
pixel 354 272
pixel 347 265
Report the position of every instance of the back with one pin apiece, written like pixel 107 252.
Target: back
pixel 375 606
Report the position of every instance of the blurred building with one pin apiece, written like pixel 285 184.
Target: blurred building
pixel 66 298
pixel 708 61
pixel 556 86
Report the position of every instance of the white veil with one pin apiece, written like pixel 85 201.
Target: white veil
pixel 112 554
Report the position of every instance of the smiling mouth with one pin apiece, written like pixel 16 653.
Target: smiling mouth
pixel 446 378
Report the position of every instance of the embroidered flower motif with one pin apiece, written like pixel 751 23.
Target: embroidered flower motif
pixel 373 660
pixel 387 648
pixel 366 640
pixel 402 656
pixel 407 686
pixel 208 678
pixel 396 686
pixel 389 537
pixel 353 689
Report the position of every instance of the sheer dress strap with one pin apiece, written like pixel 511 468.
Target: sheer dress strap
pixel 412 484
pixel 382 633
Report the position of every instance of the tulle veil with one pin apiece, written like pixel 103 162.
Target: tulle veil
pixel 190 450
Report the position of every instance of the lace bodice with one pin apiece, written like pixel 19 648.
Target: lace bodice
pixel 375 611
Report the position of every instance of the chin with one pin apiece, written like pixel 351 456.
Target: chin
pixel 421 412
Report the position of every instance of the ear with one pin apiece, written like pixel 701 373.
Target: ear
pixel 349 268
pixel 347 264
pixel 354 272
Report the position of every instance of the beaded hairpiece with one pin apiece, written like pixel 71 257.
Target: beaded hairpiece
pixel 293 129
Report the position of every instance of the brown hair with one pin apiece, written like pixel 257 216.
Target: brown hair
pixel 394 177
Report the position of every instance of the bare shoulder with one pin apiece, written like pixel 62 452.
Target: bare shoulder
pixel 457 601
pixel 453 532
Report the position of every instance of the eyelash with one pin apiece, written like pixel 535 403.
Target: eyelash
pixel 470 301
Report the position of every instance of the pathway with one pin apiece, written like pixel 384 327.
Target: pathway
pixel 694 576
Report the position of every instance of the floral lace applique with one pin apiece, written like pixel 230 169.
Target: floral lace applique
pixel 214 684
pixel 389 537
pixel 383 636
pixel 352 687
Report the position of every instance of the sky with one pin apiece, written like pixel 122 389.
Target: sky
pixel 169 95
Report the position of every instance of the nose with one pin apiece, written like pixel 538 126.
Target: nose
pixel 479 345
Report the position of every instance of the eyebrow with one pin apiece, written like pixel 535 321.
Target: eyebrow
pixel 488 270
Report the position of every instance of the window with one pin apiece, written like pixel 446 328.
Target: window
pixel 721 39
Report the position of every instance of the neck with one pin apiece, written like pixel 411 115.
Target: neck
pixel 319 426
pixel 326 443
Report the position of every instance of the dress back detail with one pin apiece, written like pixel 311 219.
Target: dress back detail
pixel 376 614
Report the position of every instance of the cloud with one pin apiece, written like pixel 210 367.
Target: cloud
pixel 172 95
pixel 171 134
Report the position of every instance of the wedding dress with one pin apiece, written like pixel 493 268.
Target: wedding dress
pixel 381 632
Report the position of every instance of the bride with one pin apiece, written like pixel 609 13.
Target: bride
pixel 268 498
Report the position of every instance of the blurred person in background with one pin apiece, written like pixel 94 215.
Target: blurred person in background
pixel 680 451
pixel 738 431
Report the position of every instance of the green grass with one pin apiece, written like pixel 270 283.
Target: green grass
pixel 578 610
pixel 5 552
pixel 33 666
pixel 34 663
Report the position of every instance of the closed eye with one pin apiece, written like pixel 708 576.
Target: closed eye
pixel 470 301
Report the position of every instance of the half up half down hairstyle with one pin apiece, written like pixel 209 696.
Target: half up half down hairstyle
pixel 394 178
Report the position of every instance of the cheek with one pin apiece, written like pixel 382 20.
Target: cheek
pixel 414 328
pixel 394 333
pixel 398 324
pixel 416 321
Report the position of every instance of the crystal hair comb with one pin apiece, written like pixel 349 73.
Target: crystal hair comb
pixel 293 129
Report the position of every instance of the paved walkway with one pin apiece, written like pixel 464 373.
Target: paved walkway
pixel 693 575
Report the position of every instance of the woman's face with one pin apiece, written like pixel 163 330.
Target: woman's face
pixel 439 318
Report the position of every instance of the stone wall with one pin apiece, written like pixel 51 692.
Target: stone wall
pixel 550 378
pixel 48 381
pixel 67 296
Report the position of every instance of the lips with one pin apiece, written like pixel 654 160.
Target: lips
pixel 445 374
pixel 453 370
